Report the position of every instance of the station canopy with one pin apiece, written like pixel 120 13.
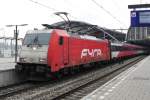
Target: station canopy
pixel 83 28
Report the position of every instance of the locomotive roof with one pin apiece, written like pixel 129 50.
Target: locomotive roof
pixel 39 31
pixel 84 28
pixel 74 26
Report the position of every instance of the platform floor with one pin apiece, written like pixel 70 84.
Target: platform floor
pixel 132 84
pixel 7 63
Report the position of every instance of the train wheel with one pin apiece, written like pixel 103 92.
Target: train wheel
pixel 65 71
pixel 56 76
pixel 72 70
pixel 77 69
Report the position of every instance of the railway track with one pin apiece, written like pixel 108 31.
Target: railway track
pixel 74 88
pixel 20 87
pixel 5 91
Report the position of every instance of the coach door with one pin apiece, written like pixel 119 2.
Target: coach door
pixel 66 50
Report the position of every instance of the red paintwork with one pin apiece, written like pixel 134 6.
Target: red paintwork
pixel 69 54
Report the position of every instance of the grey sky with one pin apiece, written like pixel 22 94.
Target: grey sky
pixel 25 11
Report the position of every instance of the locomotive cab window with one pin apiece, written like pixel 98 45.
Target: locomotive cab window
pixel 37 38
pixel 61 40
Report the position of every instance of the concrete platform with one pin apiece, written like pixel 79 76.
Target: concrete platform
pixel 7 63
pixel 132 84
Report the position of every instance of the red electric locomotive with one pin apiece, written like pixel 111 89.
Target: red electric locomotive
pixel 53 50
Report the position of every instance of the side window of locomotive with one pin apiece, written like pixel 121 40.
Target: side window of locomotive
pixel 61 40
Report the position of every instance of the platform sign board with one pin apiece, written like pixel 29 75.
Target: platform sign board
pixel 140 18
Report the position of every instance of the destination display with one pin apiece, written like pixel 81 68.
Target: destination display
pixel 140 18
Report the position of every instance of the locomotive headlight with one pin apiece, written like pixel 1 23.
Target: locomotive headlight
pixel 43 60
pixel 34 48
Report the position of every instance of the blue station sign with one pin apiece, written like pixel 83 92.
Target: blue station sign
pixel 140 18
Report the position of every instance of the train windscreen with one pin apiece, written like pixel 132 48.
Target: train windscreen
pixel 39 38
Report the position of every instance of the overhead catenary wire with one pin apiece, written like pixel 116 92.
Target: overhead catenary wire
pixel 48 7
pixel 53 9
pixel 109 13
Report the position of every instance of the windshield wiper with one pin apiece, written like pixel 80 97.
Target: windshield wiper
pixel 35 41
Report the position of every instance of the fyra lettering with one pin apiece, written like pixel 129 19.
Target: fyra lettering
pixel 91 53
